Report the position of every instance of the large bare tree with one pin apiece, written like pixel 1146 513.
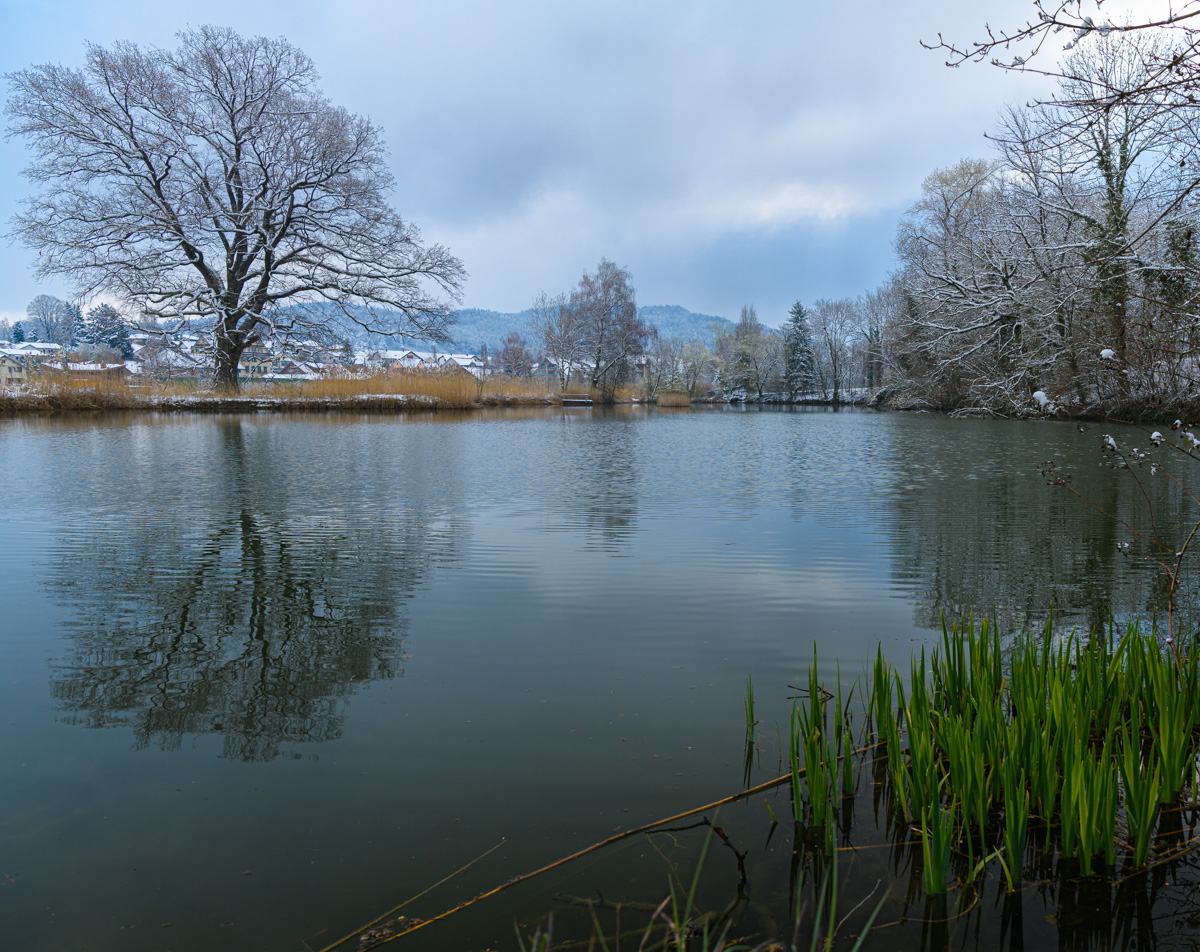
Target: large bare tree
pixel 215 184
pixel 613 331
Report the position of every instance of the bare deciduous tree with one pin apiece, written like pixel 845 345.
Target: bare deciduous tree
pixel 514 357
pixel 665 365
pixel 877 309
pixel 559 327
pixel 53 320
pixel 215 183
pixel 696 367
pixel 756 359
pixel 615 334
pixel 1170 73
pixel 1043 270
pixel 835 326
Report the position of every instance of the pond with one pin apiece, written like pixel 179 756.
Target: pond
pixel 266 677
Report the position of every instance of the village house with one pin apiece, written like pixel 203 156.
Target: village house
pixel 255 362
pixel 13 370
pixel 36 351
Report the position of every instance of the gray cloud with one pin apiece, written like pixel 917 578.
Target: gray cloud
pixel 724 152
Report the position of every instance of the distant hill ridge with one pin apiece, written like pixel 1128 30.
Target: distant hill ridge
pixel 476 326
pixel 473 327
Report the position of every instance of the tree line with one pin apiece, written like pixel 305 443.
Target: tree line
pixel 1064 269
pixel 101 333
pixel 824 353
pixel 594 337
pixel 1066 263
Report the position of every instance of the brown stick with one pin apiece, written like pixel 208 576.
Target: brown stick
pixel 583 852
pixel 427 889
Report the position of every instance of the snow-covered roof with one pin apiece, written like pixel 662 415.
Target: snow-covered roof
pixel 34 347
pixel 97 368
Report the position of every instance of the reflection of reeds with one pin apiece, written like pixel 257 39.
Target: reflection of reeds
pixel 750 721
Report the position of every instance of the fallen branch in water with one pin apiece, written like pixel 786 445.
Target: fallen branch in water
pixel 417 924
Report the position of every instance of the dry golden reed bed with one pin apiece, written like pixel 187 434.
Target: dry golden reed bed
pixel 392 391
pixel 674 398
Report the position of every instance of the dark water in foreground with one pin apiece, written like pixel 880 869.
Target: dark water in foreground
pixel 263 678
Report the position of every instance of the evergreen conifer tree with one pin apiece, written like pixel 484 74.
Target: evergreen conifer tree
pixel 799 355
pixel 18 333
pixel 106 328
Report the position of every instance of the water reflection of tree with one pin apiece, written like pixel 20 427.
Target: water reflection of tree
pixel 600 473
pixel 987 534
pixel 250 614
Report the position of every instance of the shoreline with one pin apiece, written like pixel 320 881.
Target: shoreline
pixel 88 400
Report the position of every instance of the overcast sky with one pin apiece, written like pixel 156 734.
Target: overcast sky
pixel 726 153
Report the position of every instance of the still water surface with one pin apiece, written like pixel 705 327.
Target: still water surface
pixel 262 678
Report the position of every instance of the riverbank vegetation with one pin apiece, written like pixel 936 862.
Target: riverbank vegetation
pixel 1067 261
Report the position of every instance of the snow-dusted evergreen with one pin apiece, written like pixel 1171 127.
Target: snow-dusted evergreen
pixel 799 355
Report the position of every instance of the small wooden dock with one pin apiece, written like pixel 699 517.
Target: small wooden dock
pixel 576 399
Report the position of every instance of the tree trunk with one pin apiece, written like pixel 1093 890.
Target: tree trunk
pixel 225 372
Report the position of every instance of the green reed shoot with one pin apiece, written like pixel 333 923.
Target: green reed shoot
pixel 1142 783
pixel 1094 788
pixel 824 748
pixel 898 770
pixel 1058 735
pixel 882 676
pixel 1171 725
pixel 923 779
pixel 1016 818
pixel 937 839
pixel 968 774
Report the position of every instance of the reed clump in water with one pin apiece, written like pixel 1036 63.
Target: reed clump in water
pixel 1084 741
